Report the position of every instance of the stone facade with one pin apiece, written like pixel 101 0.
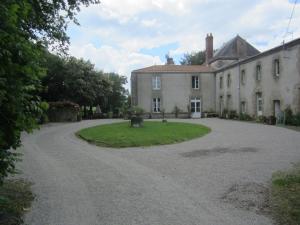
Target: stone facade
pixel 244 81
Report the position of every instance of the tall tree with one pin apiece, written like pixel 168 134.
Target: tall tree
pixel 116 98
pixel 27 27
pixel 194 58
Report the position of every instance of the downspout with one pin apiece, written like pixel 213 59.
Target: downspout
pixel 239 89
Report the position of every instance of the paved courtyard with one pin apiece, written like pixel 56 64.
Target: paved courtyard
pixel 207 181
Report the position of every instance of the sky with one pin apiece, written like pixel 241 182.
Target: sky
pixel 124 35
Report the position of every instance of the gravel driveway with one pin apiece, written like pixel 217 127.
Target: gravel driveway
pixel 219 179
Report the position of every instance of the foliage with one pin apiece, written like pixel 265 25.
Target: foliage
pixel 63 111
pixel 285 196
pixel 137 111
pixel 118 135
pixel 232 114
pixel 15 197
pixel 118 94
pixel 75 80
pixel 290 118
pixel 245 117
pixel 27 27
pixel 194 58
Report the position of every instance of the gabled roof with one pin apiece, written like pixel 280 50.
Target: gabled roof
pixel 175 69
pixel 236 48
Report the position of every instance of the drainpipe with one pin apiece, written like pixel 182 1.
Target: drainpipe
pixel 239 89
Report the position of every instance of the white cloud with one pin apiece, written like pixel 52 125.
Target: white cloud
pixel 110 59
pixel 122 28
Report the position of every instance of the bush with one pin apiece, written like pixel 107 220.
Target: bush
pixel 110 114
pixel 262 119
pixel 232 114
pixel 136 111
pixel 289 117
pixel 62 111
pixel 245 117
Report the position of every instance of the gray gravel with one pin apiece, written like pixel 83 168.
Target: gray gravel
pixel 183 184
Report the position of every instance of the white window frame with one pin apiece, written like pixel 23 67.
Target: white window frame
pixel 195 82
pixel 156 105
pixel 156 83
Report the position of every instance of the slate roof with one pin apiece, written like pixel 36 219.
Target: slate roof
pixel 236 48
pixel 175 69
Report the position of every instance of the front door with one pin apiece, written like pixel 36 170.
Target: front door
pixel 195 108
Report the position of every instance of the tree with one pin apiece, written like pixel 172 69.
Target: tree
pixel 27 27
pixel 194 58
pixel 75 80
pixel 117 97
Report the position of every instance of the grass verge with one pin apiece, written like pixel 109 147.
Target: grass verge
pixel 285 196
pixel 15 199
pixel 119 135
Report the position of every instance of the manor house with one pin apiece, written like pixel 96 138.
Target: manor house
pixel 237 77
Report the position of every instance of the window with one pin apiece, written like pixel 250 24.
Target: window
pixel 258 73
pixel 243 107
pixel 228 103
pixel 243 76
pixel 221 82
pixel 195 82
pixel 276 68
pixel 156 83
pixel 156 104
pixel 228 80
pixel 259 104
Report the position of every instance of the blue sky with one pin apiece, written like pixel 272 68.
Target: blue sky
pixel 123 35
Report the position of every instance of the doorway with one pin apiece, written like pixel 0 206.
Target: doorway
pixel 196 108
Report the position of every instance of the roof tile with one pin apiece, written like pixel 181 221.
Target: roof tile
pixel 175 69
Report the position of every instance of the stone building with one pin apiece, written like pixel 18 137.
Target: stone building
pixel 237 78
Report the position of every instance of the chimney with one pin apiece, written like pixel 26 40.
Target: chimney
pixel 169 59
pixel 209 47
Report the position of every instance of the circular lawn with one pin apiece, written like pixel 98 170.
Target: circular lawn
pixel 120 135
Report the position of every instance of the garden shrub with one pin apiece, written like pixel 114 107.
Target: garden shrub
pixel 289 117
pixel 245 117
pixel 63 111
pixel 232 114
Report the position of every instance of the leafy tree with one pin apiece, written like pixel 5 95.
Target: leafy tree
pixel 117 97
pixel 27 27
pixel 75 80
pixel 194 58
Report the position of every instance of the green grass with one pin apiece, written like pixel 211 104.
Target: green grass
pixel 120 135
pixel 15 200
pixel 285 197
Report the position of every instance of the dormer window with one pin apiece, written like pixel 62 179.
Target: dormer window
pixel 156 83
pixel 195 82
